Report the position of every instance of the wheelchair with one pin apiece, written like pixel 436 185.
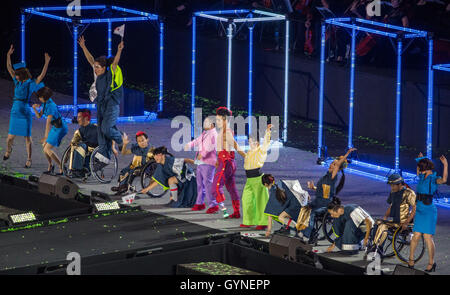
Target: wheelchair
pixel 322 228
pixel 103 175
pixel 397 244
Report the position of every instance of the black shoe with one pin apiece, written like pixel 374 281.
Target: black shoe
pixel 432 269
pixel 51 171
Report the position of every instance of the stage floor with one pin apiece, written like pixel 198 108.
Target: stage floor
pixel 291 164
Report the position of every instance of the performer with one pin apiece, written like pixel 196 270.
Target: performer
pixel 225 165
pixel 171 173
pixel 55 129
pixel 284 204
pixel 205 159
pixel 142 154
pixel 255 194
pixel 326 189
pixel 351 225
pixel 107 94
pixel 426 212
pixel 20 119
pixel 402 201
pixel 83 142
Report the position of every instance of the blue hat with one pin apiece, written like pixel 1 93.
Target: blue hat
pixel 395 179
pixel 19 65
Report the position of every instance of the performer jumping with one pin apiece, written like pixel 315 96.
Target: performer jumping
pixel 20 121
pixel 426 212
pixel 55 128
pixel 172 173
pixel 107 94
pixel 225 165
pixel 205 159
pixel 255 194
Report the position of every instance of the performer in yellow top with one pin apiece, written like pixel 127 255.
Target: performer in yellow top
pixel 255 194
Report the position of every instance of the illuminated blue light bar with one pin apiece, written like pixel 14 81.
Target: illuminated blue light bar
pixel 60 18
pixel 236 11
pixel 257 19
pixel 286 81
pixel 389 26
pixel 64 8
pixel 161 66
pixel 75 68
pixel 352 90
pixel 22 36
pixel 381 168
pixel 68 107
pixel 321 88
pixel 152 16
pixel 230 52
pixel 359 28
pixel 113 20
pixel 339 19
pixel 443 67
pixel 445 202
pixel 430 101
pixel 269 13
pixel 222 19
pixel 398 104
pixel 250 76
pixel 194 34
pixel 109 39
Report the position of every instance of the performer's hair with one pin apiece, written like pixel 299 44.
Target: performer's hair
pixel 88 111
pixel 425 164
pixel 142 133
pixel 160 150
pixel 23 73
pixel 104 61
pixel 334 204
pixel 45 92
pixel 223 112
pixel 280 194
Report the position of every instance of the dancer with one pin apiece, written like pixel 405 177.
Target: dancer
pixel 426 212
pixel 172 173
pixel 20 119
pixel 351 225
pixel 205 159
pixel 225 165
pixel 402 201
pixel 108 93
pixel 55 128
pixel 325 191
pixel 255 194
pixel 141 152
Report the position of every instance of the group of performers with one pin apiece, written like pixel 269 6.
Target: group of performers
pixel 264 199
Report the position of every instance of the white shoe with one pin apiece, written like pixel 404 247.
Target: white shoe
pixel 102 158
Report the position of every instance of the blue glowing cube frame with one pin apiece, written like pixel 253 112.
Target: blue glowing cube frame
pixel 78 22
pixel 230 18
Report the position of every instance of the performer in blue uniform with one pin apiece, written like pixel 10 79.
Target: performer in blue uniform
pixel 55 129
pixel 107 93
pixel 172 173
pixel 20 121
pixel 351 225
pixel 426 212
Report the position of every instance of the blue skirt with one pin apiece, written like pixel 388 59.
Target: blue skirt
pixel 425 219
pixel 20 119
pixel 56 135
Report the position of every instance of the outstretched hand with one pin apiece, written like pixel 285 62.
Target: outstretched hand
pixel 11 50
pixel 420 155
pixel 443 160
pixel 125 139
pixel 82 42
pixel 47 58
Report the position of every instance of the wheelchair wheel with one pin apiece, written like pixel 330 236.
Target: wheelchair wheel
pixel 105 174
pixel 401 245
pixel 327 229
pixel 65 162
pixel 387 246
pixel 146 177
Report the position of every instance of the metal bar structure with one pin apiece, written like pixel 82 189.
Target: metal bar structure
pixel 230 19
pixel 78 23
pixel 398 35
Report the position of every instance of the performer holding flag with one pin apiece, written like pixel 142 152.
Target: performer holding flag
pixel 107 91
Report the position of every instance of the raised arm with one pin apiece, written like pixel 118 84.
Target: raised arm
pixel 340 162
pixel 445 172
pixel 86 52
pixel 44 69
pixel 117 57
pixel 8 62
pixel 124 150
pixel 266 143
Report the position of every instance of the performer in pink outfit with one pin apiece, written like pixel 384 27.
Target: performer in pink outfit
pixel 205 158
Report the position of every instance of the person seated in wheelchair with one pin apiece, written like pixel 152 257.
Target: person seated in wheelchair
pixel 84 141
pixel 141 152
pixel 400 213
pixel 351 225
pixel 286 198
pixel 173 174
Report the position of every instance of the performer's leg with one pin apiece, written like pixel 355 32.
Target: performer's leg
pixel 230 184
pixel 218 182
pixel 200 186
pixel 261 199
pixel 173 188
pixel 208 178
pixel 430 247
pixel 9 145
pixel 109 128
pixel 28 143
pixel 48 150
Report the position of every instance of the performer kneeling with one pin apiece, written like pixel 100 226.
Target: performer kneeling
pixel 173 173
pixel 402 201
pixel 142 154
pixel 55 129
pixel 351 225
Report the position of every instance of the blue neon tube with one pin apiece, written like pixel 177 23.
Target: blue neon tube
pixel 364 29
pixel 64 8
pixel 222 19
pixel 398 104
pixel 445 68
pixel 250 77
pixel 321 86
pixel 268 13
pixel 194 31
pixel 117 19
pixel 430 101
pixel 134 11
pixel 286 81
pixel 230 43
pixel 212 12
pixel 75 69
pixel 257 19
pixel 22 35
pixel 161 65
pixel 352 90
pixel 65 19
pixel 389 26
pixel 109 39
